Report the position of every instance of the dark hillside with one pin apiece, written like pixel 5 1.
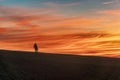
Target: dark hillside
pixel 30 66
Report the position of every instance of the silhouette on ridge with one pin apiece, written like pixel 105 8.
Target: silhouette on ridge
pixel 35 47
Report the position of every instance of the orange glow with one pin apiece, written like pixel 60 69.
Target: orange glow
pixel 2 30
pixel 55 33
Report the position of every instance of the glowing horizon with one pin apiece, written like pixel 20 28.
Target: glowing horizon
pixel 61 26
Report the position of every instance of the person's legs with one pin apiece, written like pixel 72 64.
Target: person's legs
pixel 36 50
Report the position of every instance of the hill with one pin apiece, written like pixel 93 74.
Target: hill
pixel 16 65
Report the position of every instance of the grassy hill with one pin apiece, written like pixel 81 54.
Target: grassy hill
pixel 30 66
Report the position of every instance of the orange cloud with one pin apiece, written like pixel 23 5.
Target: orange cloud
pixel 84 43
pixel 2 30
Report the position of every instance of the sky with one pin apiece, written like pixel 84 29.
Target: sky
pixel 77 27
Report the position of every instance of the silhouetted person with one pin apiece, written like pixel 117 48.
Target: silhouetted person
pixel 35 47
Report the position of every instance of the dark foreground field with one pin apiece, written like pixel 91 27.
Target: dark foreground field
pixel 30 66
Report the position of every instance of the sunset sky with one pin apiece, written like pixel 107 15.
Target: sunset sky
pixel 79 27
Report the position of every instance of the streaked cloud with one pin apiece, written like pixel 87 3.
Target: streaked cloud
pixel 110 12
pixel 111 2
pixel 18 19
